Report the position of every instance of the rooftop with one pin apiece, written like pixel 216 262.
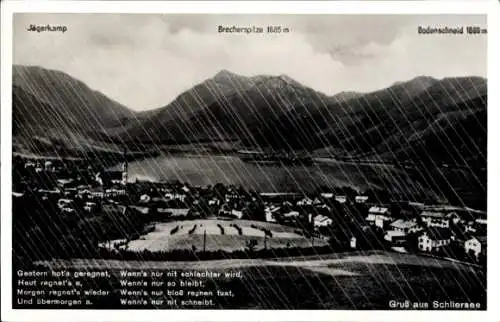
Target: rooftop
pixel 379 209
pixel 401 223
pixel 433 214
pixel 395 233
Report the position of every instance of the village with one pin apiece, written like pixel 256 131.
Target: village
pixel 344 215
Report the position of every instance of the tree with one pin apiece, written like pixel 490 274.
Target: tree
pixel 251 245
pixel 220 190
pixel 255 211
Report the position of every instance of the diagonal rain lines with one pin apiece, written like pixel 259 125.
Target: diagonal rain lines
pixel 250 109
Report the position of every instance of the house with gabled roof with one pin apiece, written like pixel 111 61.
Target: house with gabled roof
pixel 433 239
pixel 476 246
pixel 379 216
pixel 435 218
pixel 405 226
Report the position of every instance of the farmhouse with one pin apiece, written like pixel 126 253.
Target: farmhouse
pixel 475 246
pixel 213 202
pixel 231 196
pixel 90 206
pixel 361 199
pixel 341 199
pixel 395 236
pixel 400 229
pixel 405 226
pixel 470 227
pixel 481 221
pixel 237 213
pixel 144 199
pixel 114 192
pixel 175 196
pixel 317 202
pixel 63 183
pixel 322 221
pixel 175 212
pixel 379 216
pixel 434 218
pixel 434 239
pixel 62 203
pixel 305 202
pixel 49 192
pixel 270 213
pixel 97 192
pixel 291 214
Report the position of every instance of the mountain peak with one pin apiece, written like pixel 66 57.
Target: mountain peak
pixel 287 79
pixel 420 80
pixel 225 74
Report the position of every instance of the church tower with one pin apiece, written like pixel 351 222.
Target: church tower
pixel 125 167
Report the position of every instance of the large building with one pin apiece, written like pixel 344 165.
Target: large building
pixel 379 216
pixel 433 239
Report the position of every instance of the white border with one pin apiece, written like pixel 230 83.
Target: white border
pixel 312 7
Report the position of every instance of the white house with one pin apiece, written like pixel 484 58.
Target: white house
pixel 435 219
pixel 405 226
pixel 232 195
pixel 400 229
pixel 68 210
pixel 175 212
pixel 64 182
pixel 481 221
pixel 317 202
pixel 322 221
pixel 305 202
pixel 145 198
pixel 379 216
pixel 352 242
pixel 395 236
pixel 62 203
pixel 97 192
pixel 361 199
pixel 175 196
pixel 29 164
pixel 434 239
pixel 470 227
pixel 453 217
pixel 213 202
pixel 291 214
pixel 270 213
pixel 475 245
pixel 49 166
pixel 113 192
pixel 341 199
pixel 89 206
pixel 237 213
pixel 327 195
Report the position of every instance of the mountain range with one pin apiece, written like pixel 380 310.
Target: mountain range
pixel 425 118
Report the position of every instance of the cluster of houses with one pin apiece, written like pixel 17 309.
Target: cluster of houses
pixel 73 182
pixel 436 227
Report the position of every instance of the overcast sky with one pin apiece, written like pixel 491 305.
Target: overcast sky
pixel 145 61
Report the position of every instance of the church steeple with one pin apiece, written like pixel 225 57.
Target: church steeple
pixel 125 167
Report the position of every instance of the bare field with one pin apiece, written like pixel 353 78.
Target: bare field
pixel 220 235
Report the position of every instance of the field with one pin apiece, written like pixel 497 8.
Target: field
pixel 356 280
pixel 220 235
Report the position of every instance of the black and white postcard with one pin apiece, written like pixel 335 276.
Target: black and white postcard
pixel 212 161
